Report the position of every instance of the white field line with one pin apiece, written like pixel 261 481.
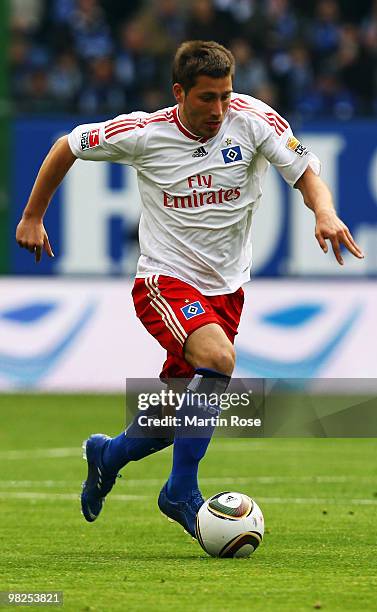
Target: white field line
pixel 76 451
pixel 240 446
pixel 263 500
pixel 318 501
pixel 151 482
pixel 40 453
pixel 63 496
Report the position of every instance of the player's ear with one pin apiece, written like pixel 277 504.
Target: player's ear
pixel 178 92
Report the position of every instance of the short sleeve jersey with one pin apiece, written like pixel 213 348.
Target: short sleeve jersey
pixel 198 194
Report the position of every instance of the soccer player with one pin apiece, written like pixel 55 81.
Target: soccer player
pixel 200 167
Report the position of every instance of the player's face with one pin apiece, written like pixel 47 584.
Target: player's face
pixel 203 107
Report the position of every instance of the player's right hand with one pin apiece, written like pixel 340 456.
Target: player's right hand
pixel 31 235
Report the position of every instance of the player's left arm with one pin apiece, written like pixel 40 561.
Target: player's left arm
pixel 272 136
pixel 328 226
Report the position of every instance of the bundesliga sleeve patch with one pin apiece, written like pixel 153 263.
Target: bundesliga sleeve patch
pixel 231 154
pixel 192 310
pixel 295 145
pixel 89 140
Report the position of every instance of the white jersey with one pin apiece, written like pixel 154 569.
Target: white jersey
pixel 198 194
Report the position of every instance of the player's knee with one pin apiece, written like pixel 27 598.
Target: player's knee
pixel 209 347
pixel 221 359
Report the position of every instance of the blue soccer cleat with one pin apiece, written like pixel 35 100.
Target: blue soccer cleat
pixel 99 481
pixel 184 512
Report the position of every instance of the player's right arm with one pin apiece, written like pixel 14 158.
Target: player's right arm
pixel 113 141
pixel 30 233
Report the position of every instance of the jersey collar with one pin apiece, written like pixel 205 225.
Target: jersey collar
pixel 184 130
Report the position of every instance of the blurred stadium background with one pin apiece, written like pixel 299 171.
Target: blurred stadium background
pixel 68 323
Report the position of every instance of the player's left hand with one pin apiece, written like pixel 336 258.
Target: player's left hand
pixel 330 227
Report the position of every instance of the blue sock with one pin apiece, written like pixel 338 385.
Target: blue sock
pixel 189 450
pixel 136 442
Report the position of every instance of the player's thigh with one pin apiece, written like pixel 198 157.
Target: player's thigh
pixel 228 309
pixel 209 347
pixel 184 322
pixel 171 310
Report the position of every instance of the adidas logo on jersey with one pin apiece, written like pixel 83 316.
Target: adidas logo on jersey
pixel 201 152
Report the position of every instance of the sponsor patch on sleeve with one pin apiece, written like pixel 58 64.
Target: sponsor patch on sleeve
pixel 89 140
pixel 295 145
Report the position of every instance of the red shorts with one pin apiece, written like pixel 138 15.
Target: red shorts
pixel 171 310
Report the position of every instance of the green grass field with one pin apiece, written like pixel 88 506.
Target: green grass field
pixel 319 498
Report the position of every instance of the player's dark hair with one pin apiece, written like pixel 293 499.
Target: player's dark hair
pixel 196 57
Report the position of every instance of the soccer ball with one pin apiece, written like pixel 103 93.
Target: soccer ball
pixel 229 525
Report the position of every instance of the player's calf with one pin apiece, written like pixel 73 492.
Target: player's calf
pixel 197 422
pixel 138 441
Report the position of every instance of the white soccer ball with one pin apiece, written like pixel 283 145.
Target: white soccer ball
pixel 229 525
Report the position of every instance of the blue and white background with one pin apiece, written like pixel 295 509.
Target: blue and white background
pixel 71 324
pixel 84 335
